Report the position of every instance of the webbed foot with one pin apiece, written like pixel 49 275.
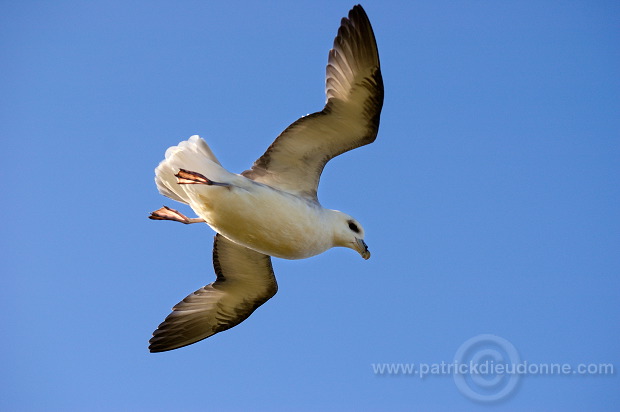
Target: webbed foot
pixel 166 213
pixel 185 177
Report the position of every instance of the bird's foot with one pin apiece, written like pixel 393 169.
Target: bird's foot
pixel 185 177
pixel 165 213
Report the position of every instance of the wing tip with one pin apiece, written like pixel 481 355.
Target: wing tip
pixel 354 53
pixel 164 341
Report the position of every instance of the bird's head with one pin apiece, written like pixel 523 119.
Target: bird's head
pixel 349 233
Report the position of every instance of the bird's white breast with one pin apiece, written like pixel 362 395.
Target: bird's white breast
pixel 264 219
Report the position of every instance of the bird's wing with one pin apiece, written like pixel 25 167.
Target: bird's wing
pixel 245 280
pixel 350 118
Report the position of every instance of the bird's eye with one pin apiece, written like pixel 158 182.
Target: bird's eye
pixel 354 227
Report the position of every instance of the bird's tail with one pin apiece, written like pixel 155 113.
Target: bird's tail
pixel 194 155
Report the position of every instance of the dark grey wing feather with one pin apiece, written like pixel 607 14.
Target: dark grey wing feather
pixel 245 280
pixel 350 118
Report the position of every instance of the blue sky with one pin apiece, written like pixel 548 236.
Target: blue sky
pixel 489 199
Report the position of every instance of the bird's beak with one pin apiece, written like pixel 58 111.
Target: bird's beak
pixel 362 248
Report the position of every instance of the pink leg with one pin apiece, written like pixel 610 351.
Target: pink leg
pixel 165 213
pixel 185 177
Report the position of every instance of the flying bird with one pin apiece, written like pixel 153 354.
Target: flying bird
pixel 272 209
